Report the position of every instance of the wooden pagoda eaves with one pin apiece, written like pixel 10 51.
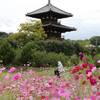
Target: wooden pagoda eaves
pixel 61 28
pixel 49 9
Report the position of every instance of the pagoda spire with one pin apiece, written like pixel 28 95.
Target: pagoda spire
pixel 49 1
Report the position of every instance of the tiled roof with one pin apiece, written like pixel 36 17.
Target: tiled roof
pixel 46 9
pixel 62 27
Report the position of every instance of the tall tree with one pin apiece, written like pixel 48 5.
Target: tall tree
pixel 28 31
pixel 33 29
pixel 95 40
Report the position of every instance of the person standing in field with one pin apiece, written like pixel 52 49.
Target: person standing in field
pixel 59 70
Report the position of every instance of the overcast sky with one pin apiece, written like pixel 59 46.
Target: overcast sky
pixel 86 15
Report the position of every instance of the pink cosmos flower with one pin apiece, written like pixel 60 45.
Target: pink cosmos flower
pixel 93 69
pixel 81 76
pixel 81 53
pixel 2 69
pixel 87 99
pixel 89 74
pixel 30 72
pixel 76 77
pixel 6 77
pixel 17 76
pixel 31 98
pixel 84 59
pixel 93 97
pixel 12 69
pixel 77 98
pixel 55 98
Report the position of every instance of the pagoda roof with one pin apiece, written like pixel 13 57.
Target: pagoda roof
pixel 49 8
pixel 60 27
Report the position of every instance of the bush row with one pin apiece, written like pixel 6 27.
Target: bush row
pixel 67 47
pixel 41 53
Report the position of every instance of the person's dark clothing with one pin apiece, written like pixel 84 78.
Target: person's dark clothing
pixel 57 73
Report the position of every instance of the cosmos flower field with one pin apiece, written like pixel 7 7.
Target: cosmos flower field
pixel 80 82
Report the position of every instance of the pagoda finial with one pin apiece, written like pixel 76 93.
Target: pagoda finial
pixel 48 1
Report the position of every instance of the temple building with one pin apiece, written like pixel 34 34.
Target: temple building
pixel 50 16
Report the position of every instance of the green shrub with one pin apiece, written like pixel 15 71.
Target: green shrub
pixel 38 58
pixel 53 58
pixel 42 58
pixel 74 60
pixel 26 54
pixel 96 58
pixel 17 59
pixel 67 47
pixel 6 52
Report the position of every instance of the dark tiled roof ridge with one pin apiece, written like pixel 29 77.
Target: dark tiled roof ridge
pixel 36 10
pixel 59 25
pixel 49 7
pixel 62 10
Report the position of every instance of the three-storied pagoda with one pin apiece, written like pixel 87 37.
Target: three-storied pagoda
pixel 49 16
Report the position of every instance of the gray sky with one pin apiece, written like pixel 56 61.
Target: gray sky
pixel 86 15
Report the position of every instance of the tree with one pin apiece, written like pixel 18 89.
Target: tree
pixel 26 54
pixel 32 29
pixel 18 39
pixel 3 35
pixel 6 52
pixel 95 40
pixel 28 31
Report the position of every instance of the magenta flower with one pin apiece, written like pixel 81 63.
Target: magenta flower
pixel 81 53
pixel 17 76
pixel 84 65
pixel 88 74
pixel 44 98
pixel 91 66
pixel 93 81
pixel 93 97
pixel 12 69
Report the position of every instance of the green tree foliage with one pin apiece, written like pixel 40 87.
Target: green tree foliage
pixel 33 52
pixel 67 47
pixel 18 39
pixel 33 29
pixel 74 60
pixel 95 40
pixel 44 59
pixel 17 59
pixel 28 31
pixel 26 54
pixel 6 52
pixel 84 43
pixel 3 35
